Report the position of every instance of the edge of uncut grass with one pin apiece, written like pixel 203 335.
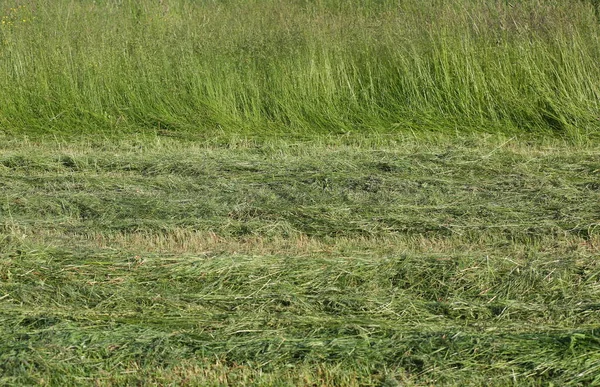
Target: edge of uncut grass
pixel 296 69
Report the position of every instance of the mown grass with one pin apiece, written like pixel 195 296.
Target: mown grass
pixel 300 67
pixel 448 261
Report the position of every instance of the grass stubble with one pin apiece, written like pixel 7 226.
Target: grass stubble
pixel 299 193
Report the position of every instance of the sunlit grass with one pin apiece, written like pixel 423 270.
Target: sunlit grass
pixel 299 192
pixel 300 67
pixel 445 261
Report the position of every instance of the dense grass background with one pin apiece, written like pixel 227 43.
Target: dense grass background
pixel 299 66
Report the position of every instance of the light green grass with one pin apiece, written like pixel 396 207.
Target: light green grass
pixel 328 192
pixel 449 261
pixel 300 67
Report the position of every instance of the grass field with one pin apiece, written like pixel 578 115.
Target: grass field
pixel 327 192
pixel 448 261
pixel 300 67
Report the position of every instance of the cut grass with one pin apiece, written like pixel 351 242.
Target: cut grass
pixel 466 261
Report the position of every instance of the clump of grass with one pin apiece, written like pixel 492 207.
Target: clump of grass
pixel 267 67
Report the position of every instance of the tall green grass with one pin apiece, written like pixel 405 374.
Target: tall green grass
pixel 299 66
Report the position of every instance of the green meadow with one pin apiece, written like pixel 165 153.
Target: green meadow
pixel 300 67
pixel 299 192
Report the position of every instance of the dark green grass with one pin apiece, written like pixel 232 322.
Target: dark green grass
pixel 299 67
pixel 465 261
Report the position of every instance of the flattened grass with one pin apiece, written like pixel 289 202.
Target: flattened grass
pixel 453 261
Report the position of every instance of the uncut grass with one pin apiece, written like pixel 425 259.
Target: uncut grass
pixel 299 67
pixel 175 262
